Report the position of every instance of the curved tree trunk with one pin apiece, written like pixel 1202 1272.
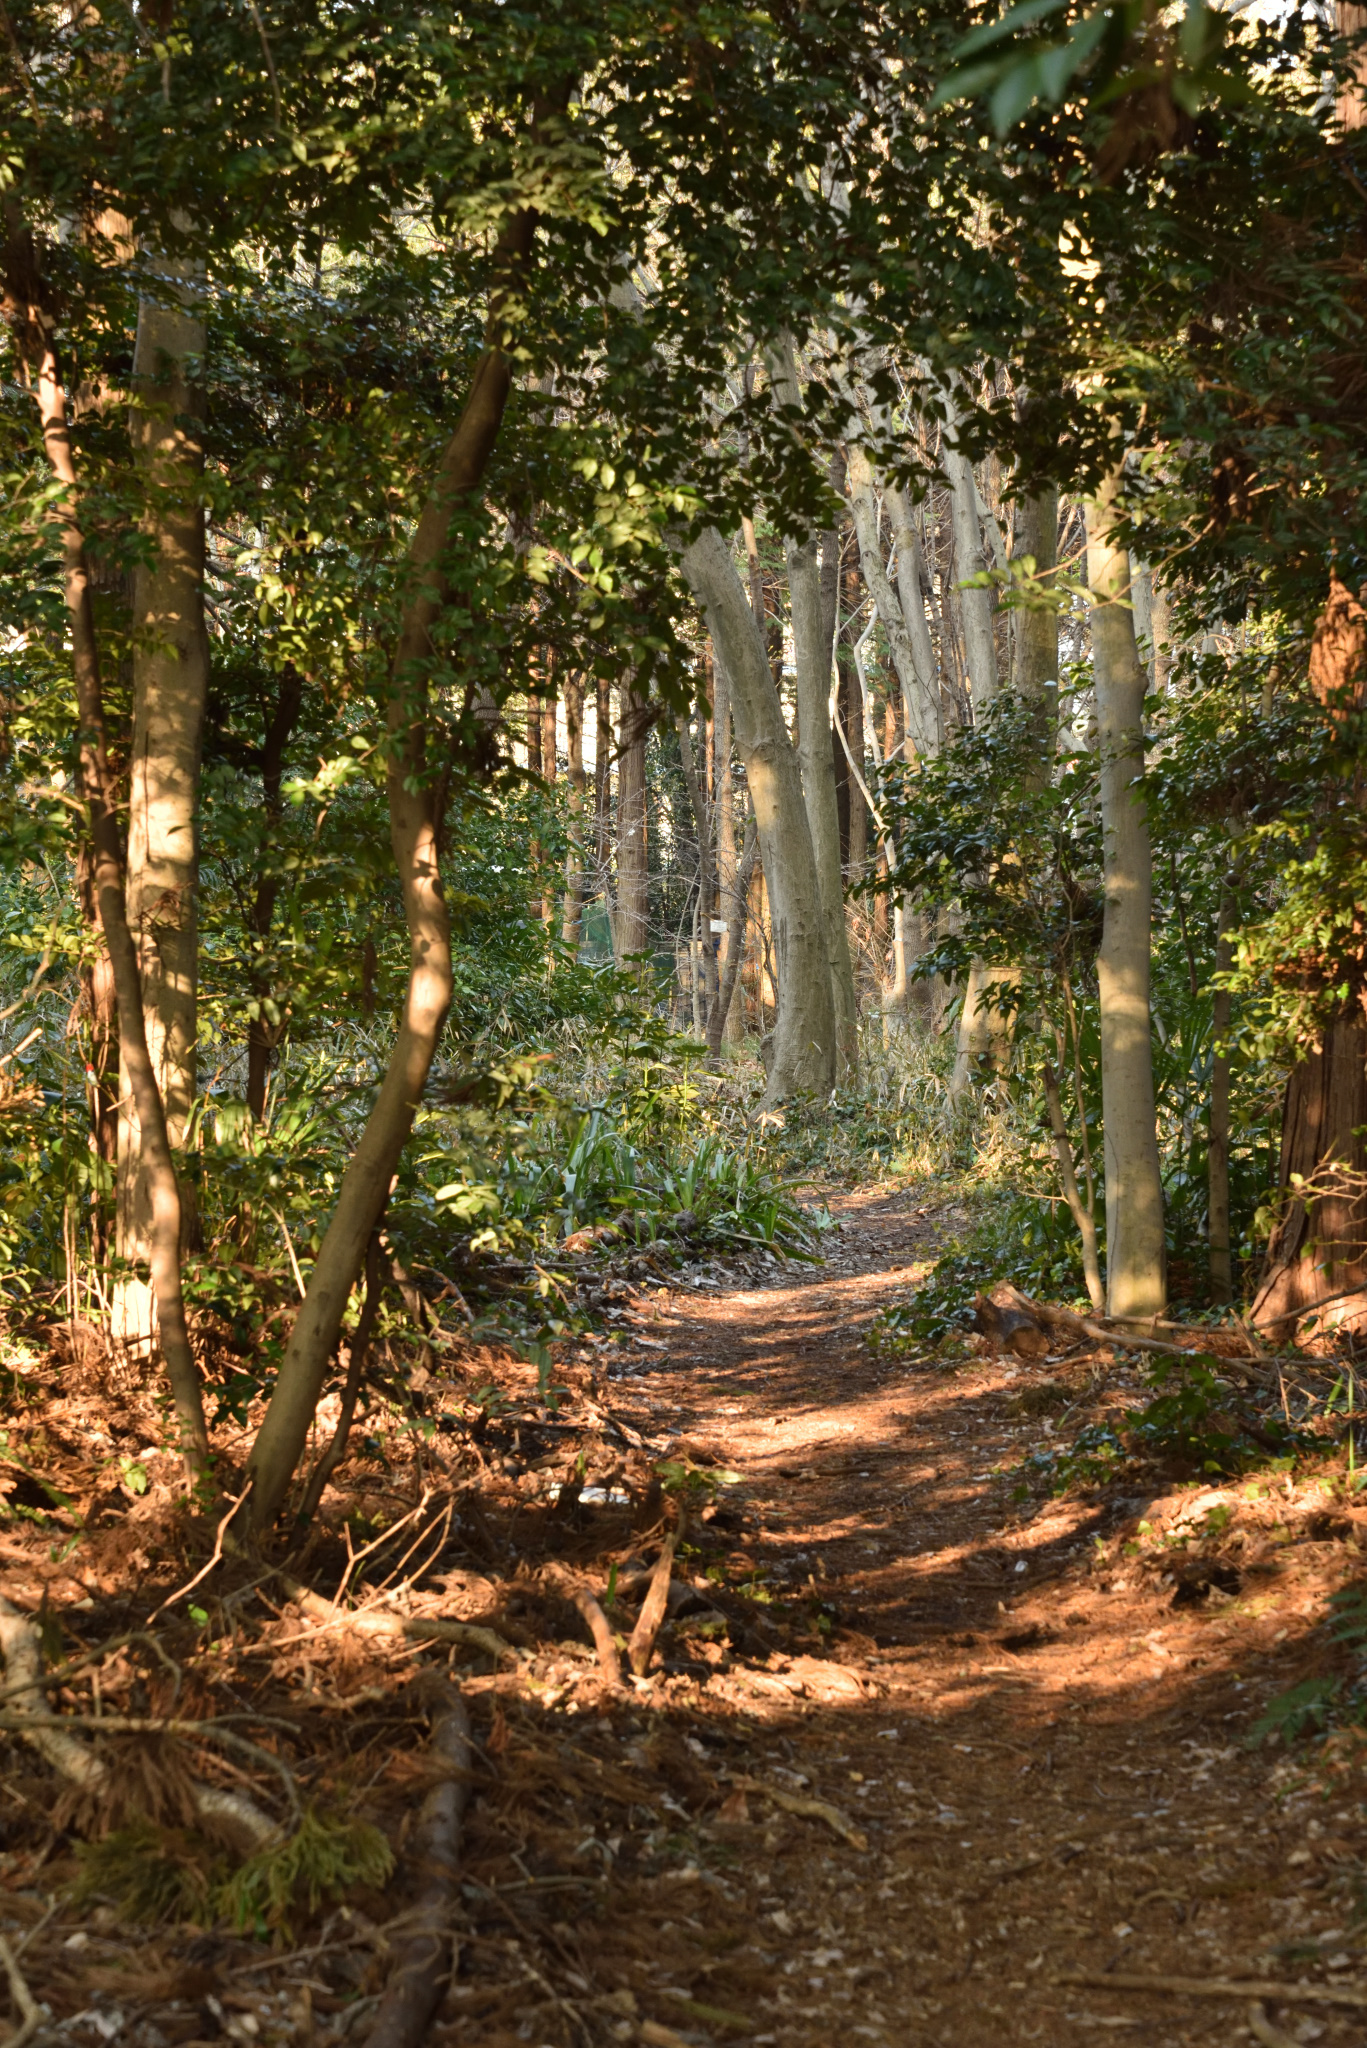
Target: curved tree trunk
pixel 1135 1263
pixel 170 687
pixel 803 1052
pixel 413 826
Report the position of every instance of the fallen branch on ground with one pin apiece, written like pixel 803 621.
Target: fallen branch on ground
pixel 26 2007
pixel 600 1627
pixel 231 1812
pixel 421 1958
pixel 806 1809
pixel 1217 1987
pixel 412 1628
pixel 642 1639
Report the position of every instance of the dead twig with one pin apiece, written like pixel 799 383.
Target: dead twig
pixel 413 1628
pixel 205 1731
pixel 25 2005
pixel 205 1570
pixel 418 1978
pixel 1217 1987
pixel 806 1809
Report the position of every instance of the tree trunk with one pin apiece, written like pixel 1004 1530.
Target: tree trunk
pixel 804 1029
pixel 572 921
pixel 631 929
pixel 1217 1148
pixel 413 835
pixel 262 1036
pixel 911 652
pixel 109 882
pixel 170 687
pixel 730 897
pixel 812 654
pixel 705 960
pixel 1035 641
pixel 1135 1265
pixel 1319 1247
pixel 975 605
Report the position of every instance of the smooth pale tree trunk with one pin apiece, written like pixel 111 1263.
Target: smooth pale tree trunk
pixel 812 647
pixel 705 985
pixel 911 598
pixel 1034 644
pixel 975 605
pixel 1135 1267
pixel 912 657
pixel 170 689
pixel 812 657
pixel 414 829
pixel 572 920
pixel 631 828
pixel 109 883
pixel 804 1042
pixel 729 1027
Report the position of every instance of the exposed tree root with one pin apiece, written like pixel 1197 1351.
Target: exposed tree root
pixel 599 1626
pixel 422 1955
pixel 26 2008
pixel 228 1813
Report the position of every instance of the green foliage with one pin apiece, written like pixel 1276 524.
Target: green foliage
pixel 158 1874
pixel 320 1862
pixel 1027 1241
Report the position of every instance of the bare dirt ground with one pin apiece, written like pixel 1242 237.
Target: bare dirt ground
pixel 920 1765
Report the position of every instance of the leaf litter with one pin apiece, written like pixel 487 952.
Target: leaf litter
pixel 875 1780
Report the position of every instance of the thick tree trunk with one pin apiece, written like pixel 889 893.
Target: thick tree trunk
pixel 1319 1247
pixel 1135 1265
pixel 632 901
pixel 572 921
pixel 413 835
pixel 109 882
pixel 803 1051
pixel 170 687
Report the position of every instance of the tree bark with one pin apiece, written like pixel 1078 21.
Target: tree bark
pixel 803 1050
pixel 707 886
pixel 912 657
pixel 414 837
pixel 632 899
pixel 975 605
pixel 109 883
pixel 1135 1276
pixel 1319 1247
pixel 812 654
pixel 730 904
pixel 1217 1147
pixel 170 688
pixel 262 1036
pixel 572 921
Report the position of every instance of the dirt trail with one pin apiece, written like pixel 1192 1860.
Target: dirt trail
pixel 912 1752
pixel 1044 1755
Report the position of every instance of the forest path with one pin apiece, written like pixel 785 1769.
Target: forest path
pixel 1044 1755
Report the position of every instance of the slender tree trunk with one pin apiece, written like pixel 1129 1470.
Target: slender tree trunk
pixel 852 711
pixel 602 791
pixel 414 836
pixel 911 651
pixel 706 1000
pixel 1035 643
pixel 170 688
pixel 731 1026
pixel 632 932
pixel 109 882
pixel 1081 1214
pixel 550 766
pixel 1136 1285
pixel 1217 1212
pixel 803 1050
pixel 572 923
pixel 262 1035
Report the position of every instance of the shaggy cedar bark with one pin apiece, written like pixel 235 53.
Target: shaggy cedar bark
pixel 413 835
pixel 170 688
pixel 1135 1276
pixel 803 1049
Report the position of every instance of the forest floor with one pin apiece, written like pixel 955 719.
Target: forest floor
pixel 927 1764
